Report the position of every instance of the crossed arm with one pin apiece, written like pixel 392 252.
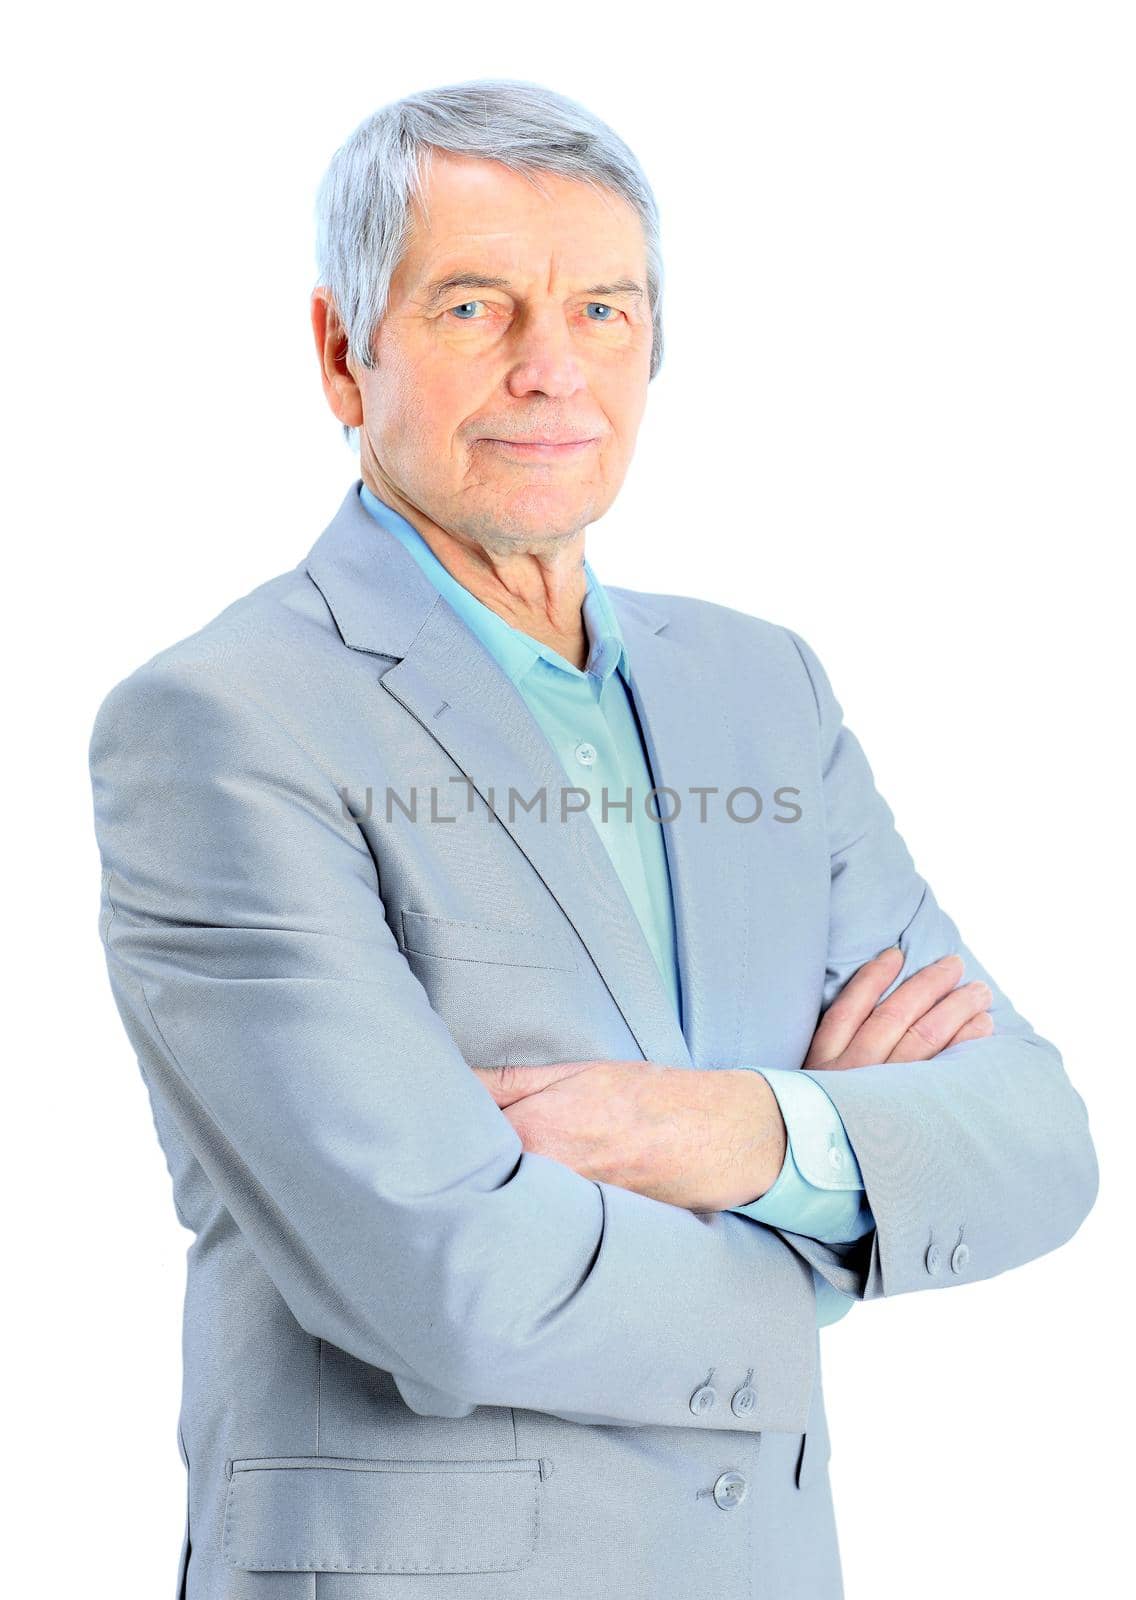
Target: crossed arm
pixel 726 1140
pixel 708 1141
pixel 376 1180
pixel 987 1136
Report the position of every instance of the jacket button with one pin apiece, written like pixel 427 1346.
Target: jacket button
pixel 960 1255
pixel 933 1260
pixel 744 1401
pixel 730 1490
pixel 702 1399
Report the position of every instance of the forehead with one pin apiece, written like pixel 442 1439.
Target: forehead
pixel 481 214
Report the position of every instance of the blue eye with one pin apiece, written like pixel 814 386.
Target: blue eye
pixel 598 304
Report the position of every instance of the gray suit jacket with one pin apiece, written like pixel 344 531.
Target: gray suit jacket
pixel 417 1359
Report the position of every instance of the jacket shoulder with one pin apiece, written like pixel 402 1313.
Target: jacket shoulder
pixel 710 626
pixel 257 645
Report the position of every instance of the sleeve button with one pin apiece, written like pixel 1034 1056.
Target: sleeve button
pixel 960 1255
pixel 744 1401
pixel 933 1260
pixel 702 1399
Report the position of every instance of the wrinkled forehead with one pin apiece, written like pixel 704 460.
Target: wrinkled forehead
pixel 481 217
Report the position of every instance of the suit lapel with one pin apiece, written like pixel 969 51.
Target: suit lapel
pixel 382 602
pixel 689 746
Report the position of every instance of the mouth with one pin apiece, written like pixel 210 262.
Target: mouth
pixel 523 450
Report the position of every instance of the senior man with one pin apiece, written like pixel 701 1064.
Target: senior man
pixel 527 977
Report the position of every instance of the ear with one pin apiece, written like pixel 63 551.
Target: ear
pixel 343 393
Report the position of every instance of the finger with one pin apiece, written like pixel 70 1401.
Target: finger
pixel 979 1027
pixel 878 1036
pixel 852 1006
pixel 934 1030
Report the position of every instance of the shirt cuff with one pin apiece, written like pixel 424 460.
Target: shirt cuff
pixel 820 1190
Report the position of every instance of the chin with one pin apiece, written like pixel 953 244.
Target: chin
pixel 541 515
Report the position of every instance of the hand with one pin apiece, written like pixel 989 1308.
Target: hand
pixel 703 1140
pixel 923 1016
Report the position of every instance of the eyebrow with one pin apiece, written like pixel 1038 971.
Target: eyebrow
pixel 436 292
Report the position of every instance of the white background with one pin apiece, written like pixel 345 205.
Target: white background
pixel 895 412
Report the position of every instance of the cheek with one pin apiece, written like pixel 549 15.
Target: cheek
pixel 423 402
pixel 440 413
pixel 623 400
pixel 615 453
pixel 422 429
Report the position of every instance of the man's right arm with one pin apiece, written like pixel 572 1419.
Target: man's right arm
pixel 371 1173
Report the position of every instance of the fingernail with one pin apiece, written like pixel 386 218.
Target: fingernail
pixel 945 961
pixel 886 952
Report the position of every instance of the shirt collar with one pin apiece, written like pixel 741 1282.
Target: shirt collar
pixel 516 652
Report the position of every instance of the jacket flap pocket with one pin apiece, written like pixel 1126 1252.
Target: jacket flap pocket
pixel 459 940
pixel 335 1514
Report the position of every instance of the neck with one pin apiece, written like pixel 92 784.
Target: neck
pixel 536 585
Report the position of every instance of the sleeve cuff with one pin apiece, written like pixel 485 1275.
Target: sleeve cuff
pixel 819 1191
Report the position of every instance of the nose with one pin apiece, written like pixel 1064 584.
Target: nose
pixel 545 359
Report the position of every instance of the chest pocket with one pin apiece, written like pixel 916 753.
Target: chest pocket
pixel 502 944
pixel 510 995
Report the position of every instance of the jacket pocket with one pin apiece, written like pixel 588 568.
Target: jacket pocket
pixel 816 1447
pixel 340 1514
pixel 455 939
pixel 183 1556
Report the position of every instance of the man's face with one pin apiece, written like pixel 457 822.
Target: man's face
pixel 561 347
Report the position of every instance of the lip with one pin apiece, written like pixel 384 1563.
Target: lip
pixel 540 452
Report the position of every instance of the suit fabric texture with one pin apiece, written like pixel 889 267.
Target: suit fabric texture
pixel 418 1360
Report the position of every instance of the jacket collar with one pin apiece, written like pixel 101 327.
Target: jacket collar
pixel 378 594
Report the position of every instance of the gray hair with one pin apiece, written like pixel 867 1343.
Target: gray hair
pixel 363 205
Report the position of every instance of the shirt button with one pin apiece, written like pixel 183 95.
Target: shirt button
pixel 835 1158
pixel 585 753
pixel 960 1255
pixel 933 1260
pixel 730 1490
pixel 744 1401
pixel 702 1399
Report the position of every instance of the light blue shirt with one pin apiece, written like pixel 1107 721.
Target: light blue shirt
pixel 589 719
